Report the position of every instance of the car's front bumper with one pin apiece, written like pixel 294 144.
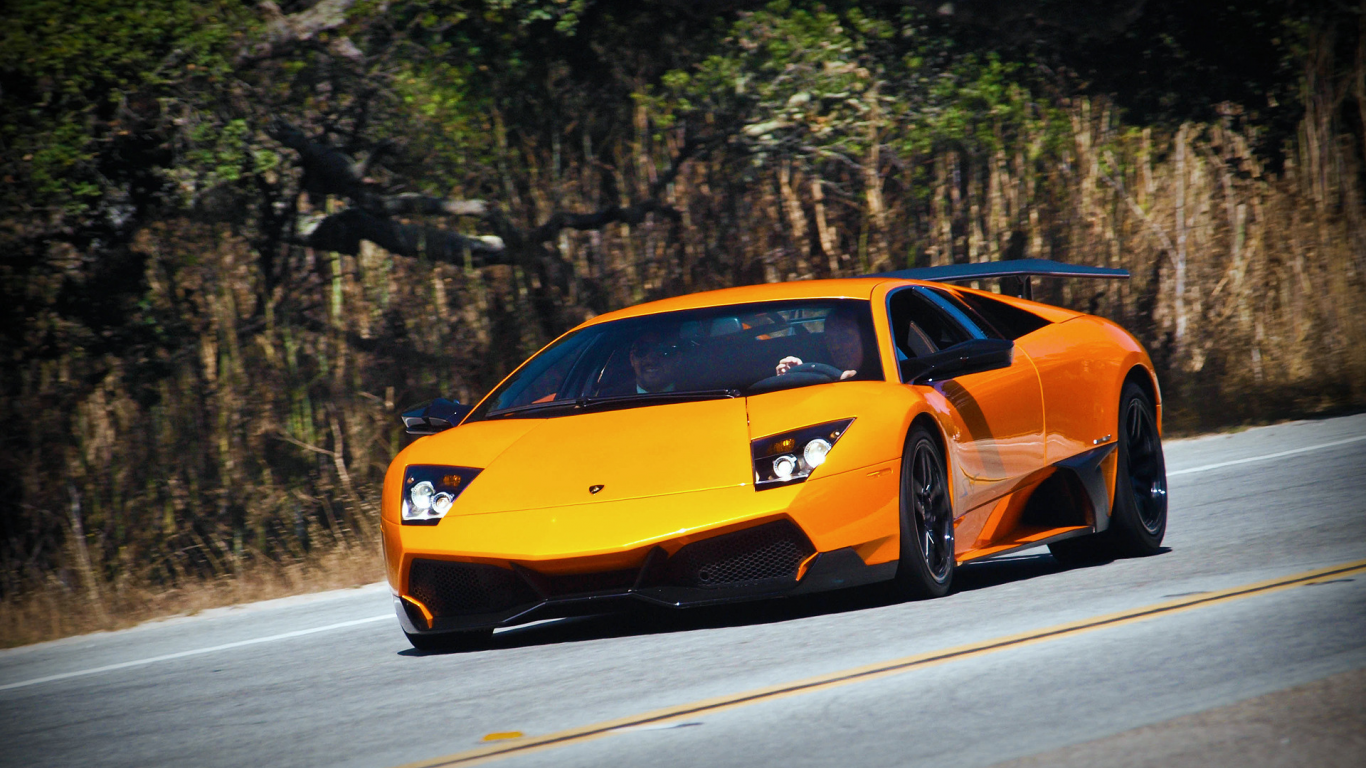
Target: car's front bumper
pixel 500 569
pixel 528 596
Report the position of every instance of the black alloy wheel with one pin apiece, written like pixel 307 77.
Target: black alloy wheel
pixel 1139 516
pixel 927 552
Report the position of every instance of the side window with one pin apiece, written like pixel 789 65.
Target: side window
pixel 1011 322
pixel 973 317
pixel 963 319
pixel 920 326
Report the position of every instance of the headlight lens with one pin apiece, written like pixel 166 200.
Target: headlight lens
pixel 784 466
pixel 442 503
pixel 429 491
pixel 814 452
pixel 421 496
pixel 792 456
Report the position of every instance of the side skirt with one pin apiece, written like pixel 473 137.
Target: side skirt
pixel 1089 510
pixel 1087 468
pixel 1072 534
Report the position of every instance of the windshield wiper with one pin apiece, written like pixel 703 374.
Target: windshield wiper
pixel 553 404
pixel 659 397
pixel 584 403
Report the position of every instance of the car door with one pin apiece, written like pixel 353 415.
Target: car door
pixel 997 416
pixel 1071 357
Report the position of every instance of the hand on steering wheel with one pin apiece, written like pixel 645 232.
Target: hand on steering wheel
pixel 792 372
pixel 829 372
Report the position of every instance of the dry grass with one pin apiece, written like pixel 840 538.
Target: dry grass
pixel 55 610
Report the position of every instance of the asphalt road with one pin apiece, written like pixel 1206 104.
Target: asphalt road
pixel 1030 669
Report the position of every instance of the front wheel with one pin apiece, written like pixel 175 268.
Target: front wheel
pixel 449 642
pixel 927 554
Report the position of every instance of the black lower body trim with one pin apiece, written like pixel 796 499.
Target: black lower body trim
pixel 762 562
pixel 842 568
pixel 1086 467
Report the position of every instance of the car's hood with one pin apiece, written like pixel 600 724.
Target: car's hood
pixel 632 453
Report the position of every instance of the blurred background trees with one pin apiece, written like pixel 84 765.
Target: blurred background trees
pixel 237 237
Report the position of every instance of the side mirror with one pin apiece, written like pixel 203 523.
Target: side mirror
pixel 972 356
pixel 430 418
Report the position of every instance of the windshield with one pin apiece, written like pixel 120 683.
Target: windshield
pixel 717 352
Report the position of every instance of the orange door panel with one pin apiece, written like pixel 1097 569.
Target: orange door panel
pixel 1074 360
pixel 997 416
pixel 998 421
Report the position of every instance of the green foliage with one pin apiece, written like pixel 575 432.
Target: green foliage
pixel 88 72
pixel 443 97
pixel 795 81
pixel 984 104
pixel 74 50
pixel 564 14
pixel 812 83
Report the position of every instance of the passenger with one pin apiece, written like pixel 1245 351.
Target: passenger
pixel 654 359
pixel 843 341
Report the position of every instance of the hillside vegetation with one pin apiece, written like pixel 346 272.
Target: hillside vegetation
pixel 237 238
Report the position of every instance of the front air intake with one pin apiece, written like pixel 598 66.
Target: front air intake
pixel 454 589
pixel 768 552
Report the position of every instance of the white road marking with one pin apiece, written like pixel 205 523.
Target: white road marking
pixel 1265 457
pixel 195 652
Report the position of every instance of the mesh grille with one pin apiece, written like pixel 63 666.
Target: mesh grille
pixel 771 551
pixel 449 589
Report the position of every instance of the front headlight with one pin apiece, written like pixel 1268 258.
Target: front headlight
pixel 790 457
pixel 430 490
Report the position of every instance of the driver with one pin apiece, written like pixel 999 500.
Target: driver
pixel 653 359
pixel 843 341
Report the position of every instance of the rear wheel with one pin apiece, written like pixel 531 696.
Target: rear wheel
pixel 1138 517
pixel 448 642
pixel 927 553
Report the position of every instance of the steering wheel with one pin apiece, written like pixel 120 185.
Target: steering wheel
pixel 820 369
pixel 802 375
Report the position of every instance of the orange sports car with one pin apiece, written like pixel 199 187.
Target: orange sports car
pixel 777 440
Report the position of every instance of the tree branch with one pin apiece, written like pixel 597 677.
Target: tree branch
pixel 632 214
pixel 330 171
pixel 342 232
pixel 598 219
pixel 423 205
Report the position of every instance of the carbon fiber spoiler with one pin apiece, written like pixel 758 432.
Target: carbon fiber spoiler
pixel 1021 269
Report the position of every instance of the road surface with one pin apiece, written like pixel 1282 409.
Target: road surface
pixel 1243 643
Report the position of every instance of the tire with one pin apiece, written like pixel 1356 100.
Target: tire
pixel 1138 516
pixel 927 564
pixel 1138 519
pixel 449 642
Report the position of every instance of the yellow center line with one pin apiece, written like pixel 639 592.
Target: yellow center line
pixel 530 744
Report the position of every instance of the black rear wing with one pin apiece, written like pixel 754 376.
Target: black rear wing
pixel 1021 269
